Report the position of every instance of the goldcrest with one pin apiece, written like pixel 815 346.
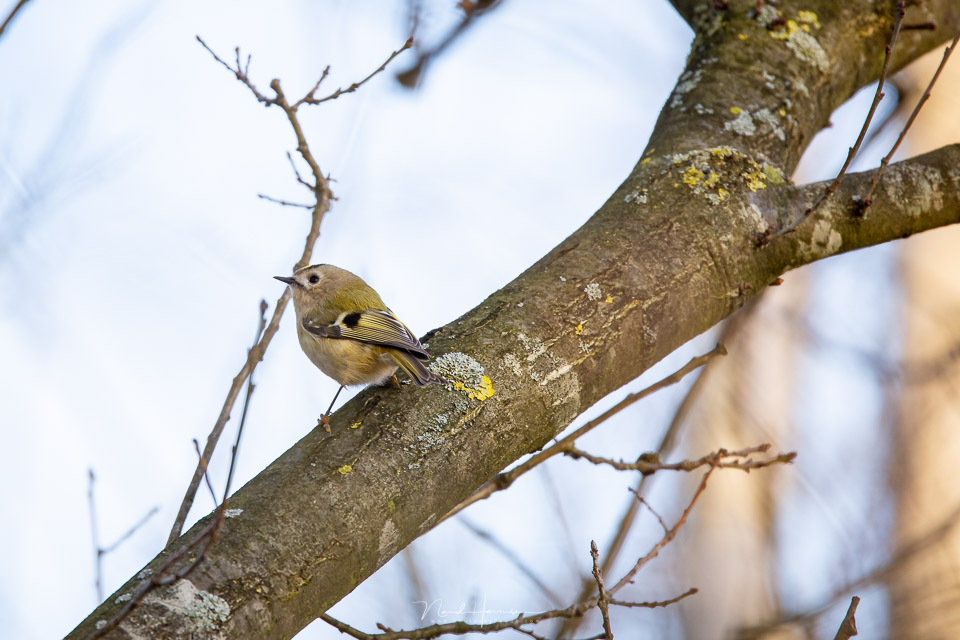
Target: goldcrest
pixel 349 333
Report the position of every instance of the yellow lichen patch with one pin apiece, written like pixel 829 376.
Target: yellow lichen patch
pixel 463 373
pixel 645 160
pixel 355 425
pixel 782 112
pixel 809 17
pixel 709 172
pixel 579 329
pixel 722 152
pixel 609 299
pixel 735 110
pixel 773 175
pixel 692 176
pixel 481 392
pixel 345 469
pixel 754 179
pixel 742 36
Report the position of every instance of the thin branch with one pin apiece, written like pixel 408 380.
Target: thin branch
pixel 284 202
pixel 667 537
pixel 100 552
pixel 246 403
pixel 648 465
pixel 877 97
pixel 865 202
pixel 95 536
pixel 507 478
pixel 296 172
pixel 13 13
pixel 206 476
pixel 473 9
pixel 656 603
pixel 603 600
pixel 323 76
pixel 241 74
pixel 310 99
pixel 848 628
pixel 459 627
pixel 641 500
pixel 132 530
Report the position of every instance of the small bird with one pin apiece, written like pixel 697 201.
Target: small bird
pixel 349 333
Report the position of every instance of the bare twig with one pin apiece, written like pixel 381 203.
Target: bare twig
pixel 95 536
pixel 100 552
pixel 603 600
pixel 284 202
pixel 718 459
pixel 296 172
pixel 321 190
pixel 641 500
pixel 206 476
pixel 507 478
pixel 132 530
pixel 310 99
pixel 898 21
pixel 473 9
pixel 13 13
pixel 668 536
pixel 246 403
pixel 848 628
pixel 240 73
pixel 459 627
pixel 657 603
pixel 865 202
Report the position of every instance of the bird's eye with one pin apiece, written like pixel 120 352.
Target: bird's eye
pixel 314 279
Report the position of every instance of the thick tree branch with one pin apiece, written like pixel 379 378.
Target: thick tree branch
pixel 669 255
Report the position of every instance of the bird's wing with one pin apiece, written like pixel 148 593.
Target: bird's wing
pixel 373 327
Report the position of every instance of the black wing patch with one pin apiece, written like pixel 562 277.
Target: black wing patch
pixel 373 327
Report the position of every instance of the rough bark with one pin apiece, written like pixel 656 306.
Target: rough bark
pixel 670 254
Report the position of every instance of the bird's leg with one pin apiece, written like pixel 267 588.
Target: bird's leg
pixel 325 420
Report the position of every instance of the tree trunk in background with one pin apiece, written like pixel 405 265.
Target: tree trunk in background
pixel 925 591
pixel 729 547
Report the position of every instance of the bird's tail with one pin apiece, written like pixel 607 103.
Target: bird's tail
pixel 415 368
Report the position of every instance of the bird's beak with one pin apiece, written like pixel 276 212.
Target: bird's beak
pixel 285 279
